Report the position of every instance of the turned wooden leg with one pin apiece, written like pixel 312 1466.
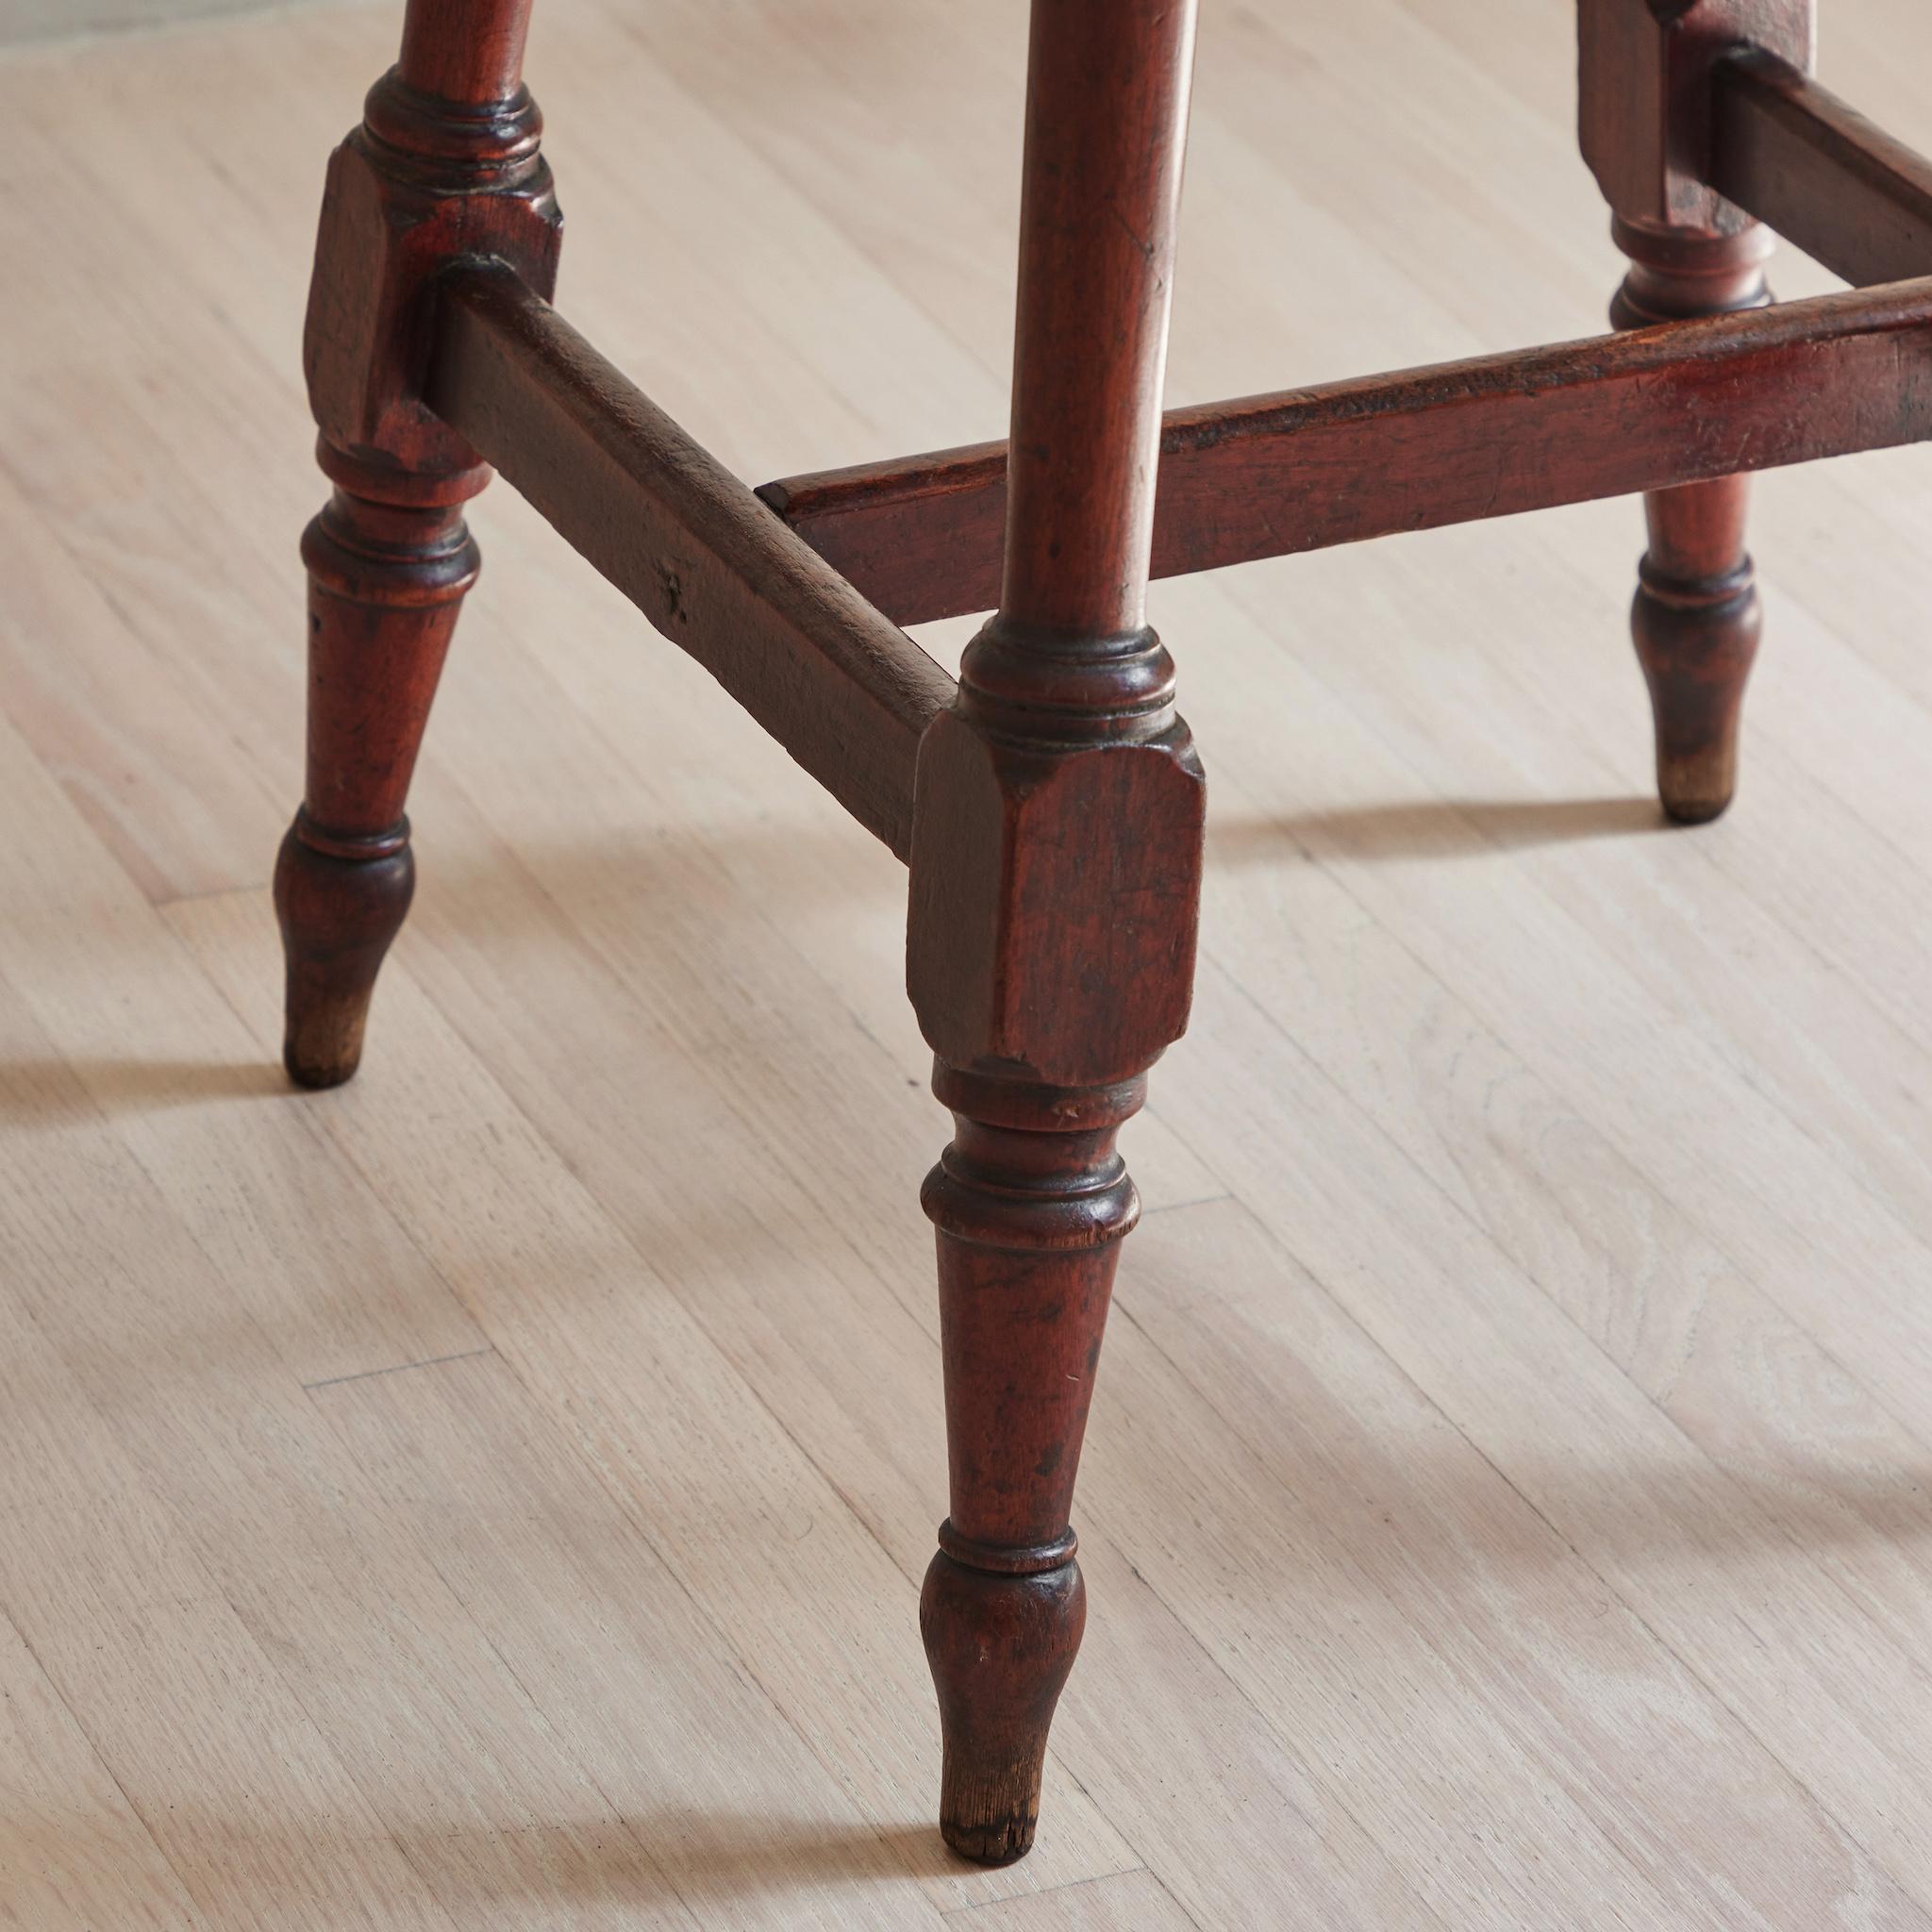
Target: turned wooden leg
pixel 1030 1202
pixel 1646 127
pixel 444 167
pixel 385 582
pixel 1054 879
pixel 1695 619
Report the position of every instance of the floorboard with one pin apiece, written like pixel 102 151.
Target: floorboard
pixel 495 1494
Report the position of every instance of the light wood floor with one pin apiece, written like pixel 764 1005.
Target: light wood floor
pixel 493 1495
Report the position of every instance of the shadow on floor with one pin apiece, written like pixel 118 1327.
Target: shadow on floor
pixel 1436 828
pixel 53 1091
pixel 668 1868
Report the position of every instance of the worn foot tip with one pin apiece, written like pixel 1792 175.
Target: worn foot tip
pixel 313 1075
pixel 1697 786
pixel 1695 811
pixel 999 1842
pixel 327 1048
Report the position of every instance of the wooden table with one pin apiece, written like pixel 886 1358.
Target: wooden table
pixel 1049 804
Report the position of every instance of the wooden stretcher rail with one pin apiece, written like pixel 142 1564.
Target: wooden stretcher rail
pixel 1307 469
pixel 1820 174
pixel 837 685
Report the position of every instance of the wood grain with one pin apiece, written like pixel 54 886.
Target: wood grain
pixel 839 686
pixel 1272 475
pixel 1505 1496
pixel 1849 194
pixel 76 1855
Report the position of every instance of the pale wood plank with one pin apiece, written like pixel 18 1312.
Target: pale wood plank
pixel 1560 1421
pixel 1130 1902
pixel 1189 1723
pixel 217 1756
pixel 479 1789
pixel 857 1375
pixel 877 1371
pixel 571 1595
pixel 74 1855
pixel 1665 1065
pixel 172 838
pixel 143 1046
pixel 1272 1345
pixel 476 1798
pixel 518 1834
pixel 616 1343
pixel 1615 1143
pixel 531 1028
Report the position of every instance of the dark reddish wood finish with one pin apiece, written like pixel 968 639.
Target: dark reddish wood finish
pixel 1054 878
pixel 837 685
pixel 464 52
pixel 445 165
pixel 1030 1201
pixel 384 581
pixel 1492 436
pixel 1696 617
pixel 1796 157
pixel 1050 802
pixel 1647 117
pixel 1646 110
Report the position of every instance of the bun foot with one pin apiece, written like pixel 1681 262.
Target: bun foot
pixel 1696 638
pixel 338 916
pixel 1000 1648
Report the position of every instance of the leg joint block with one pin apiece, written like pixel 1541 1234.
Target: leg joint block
pixel 421 185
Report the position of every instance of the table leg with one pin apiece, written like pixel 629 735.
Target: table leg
pixel 1056 872
pixel 1696 617
pixel 445 162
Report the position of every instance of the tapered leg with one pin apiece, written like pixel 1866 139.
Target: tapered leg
pixel 1646 127
pixel 1695 619
pixel 384 581
pixel 1054 880
pixel 445 165
pixel 1031 1202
